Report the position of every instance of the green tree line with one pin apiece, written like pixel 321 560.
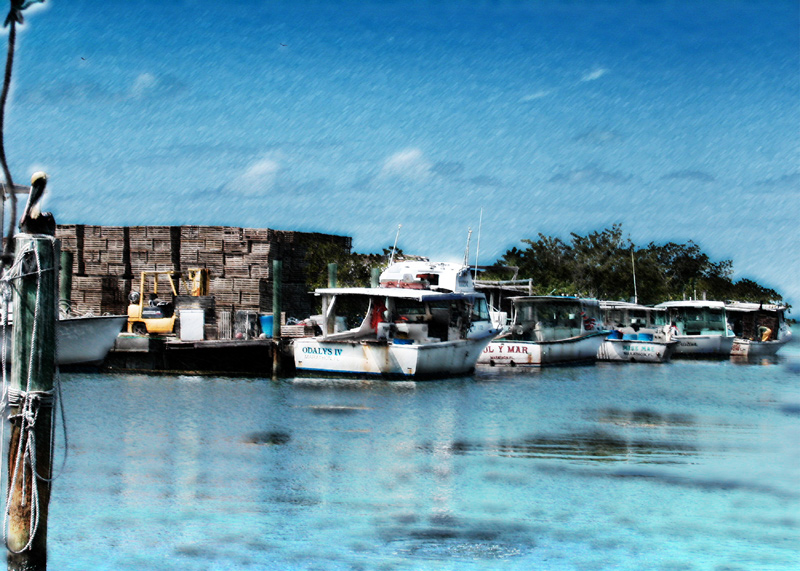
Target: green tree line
pixel 600 264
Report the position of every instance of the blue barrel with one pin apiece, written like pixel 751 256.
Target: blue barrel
pixel 266 325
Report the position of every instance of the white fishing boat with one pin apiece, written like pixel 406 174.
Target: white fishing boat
pixel 638 333
pixel 548 330
pixel 87 340
pixel 80 340
pixel 700 327
pixel 760 329
pixel 425 319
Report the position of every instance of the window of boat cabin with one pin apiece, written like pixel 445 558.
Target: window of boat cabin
pixel 480 311
pixel 353 309
pixel 411 309
pixel 638 318
pixel 701 320
pixel 549 314
pixel 658 318
pixel 614 317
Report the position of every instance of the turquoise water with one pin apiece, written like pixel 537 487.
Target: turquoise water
pixel 692 465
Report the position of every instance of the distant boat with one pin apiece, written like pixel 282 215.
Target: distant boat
pixel 425 319
pixel 638 333
pixel 87 340
pixel 702 328
pixel 548 330
pixel 81 340
pixel 760 328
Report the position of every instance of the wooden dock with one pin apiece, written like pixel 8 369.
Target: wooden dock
pixel 132 353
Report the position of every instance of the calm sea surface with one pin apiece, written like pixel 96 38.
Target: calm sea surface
pixel 692 465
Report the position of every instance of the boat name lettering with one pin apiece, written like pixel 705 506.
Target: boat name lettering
pixel 688 344
pixel 326 351
pixel 506 348
pixel 640 348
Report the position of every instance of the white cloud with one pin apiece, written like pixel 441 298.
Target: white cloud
pixel 409 164
pixel 259 178
pixel 537 95
pixel 145 83
pixel 594 74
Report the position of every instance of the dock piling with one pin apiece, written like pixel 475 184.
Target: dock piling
pixel 31 399
pixel 277 270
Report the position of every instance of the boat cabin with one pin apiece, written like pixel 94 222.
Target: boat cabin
pixel 755 321
pixel 552 318
pixel 401 315
pixel 697 317
pixel 632 317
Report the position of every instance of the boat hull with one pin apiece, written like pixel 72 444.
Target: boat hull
pixel 87 340
pixel 513 353
pixel 388 359
pixel 81 340
pixel 748 348
pixel 703 345
pixel 635 350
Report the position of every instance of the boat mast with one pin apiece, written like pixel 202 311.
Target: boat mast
pixel 635 293
pixel 394 248
pixel 478 247
pixel 466 250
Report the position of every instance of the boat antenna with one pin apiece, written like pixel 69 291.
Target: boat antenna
pixel 466 250
pixel 478 246
pixel 394 248
pixel 633 265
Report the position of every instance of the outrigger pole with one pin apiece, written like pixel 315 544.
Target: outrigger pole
pixel 394 248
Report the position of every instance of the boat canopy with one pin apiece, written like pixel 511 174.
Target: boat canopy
pixel 397 293
pixel 749 306
pixel 692 303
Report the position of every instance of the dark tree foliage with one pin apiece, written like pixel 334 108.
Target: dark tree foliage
pixel 601 264
pixel 353 269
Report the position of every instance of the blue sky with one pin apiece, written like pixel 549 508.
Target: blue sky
pixel 676 118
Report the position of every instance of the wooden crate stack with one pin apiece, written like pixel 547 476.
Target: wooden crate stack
pixel 108 261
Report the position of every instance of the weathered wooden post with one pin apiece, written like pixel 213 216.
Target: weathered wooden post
pixel 65 281
pixel 277 289
pixel 31 399
pixel 332 270
pixel 375 277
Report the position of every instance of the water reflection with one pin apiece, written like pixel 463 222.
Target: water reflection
pixel 596 446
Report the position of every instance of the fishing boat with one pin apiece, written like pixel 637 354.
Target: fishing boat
pixel 638 333
pixel 700 327
pixel 548 330
pixel 423 320
pixel 87 340
pixel 760 329
pixel 80 341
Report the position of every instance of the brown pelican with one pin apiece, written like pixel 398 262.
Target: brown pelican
pixel 33 220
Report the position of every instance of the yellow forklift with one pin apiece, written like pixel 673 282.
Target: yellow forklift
pixel 156 316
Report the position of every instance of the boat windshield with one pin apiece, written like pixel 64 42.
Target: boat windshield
pixel 549 314
pixel 480 311
pixel 699 320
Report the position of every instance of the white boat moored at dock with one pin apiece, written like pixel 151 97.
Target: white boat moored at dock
pixel 638 333
pixel 548 330
pixel 760 328
pixel 424 320
pixel 701 325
